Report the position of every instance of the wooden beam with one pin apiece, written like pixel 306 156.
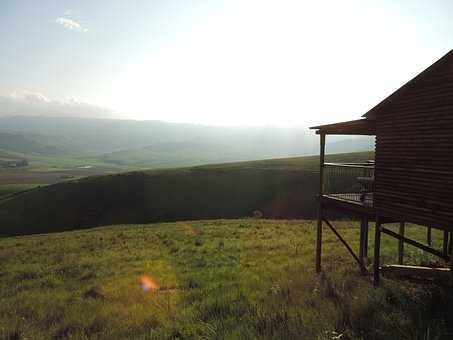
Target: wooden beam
pixel 361 245
pixel 425 272
pixel 320 214
pixel 415 243
pixel 401 244
pixel 362 267
pixel 377 251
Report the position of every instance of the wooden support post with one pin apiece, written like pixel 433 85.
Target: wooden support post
pixel 450 244
pixel 319 242
pixel 377 252
pixel 445 244
pixel 361 243
pixel 428 236
pixel 401 244
pixel 365 237
pixel 451 271
pixel 320 214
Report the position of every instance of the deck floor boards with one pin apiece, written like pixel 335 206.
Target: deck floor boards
pixel 353 201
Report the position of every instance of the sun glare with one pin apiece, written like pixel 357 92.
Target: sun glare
pixel 148 283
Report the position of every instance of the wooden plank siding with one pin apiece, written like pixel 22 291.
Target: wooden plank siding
pixel 414 149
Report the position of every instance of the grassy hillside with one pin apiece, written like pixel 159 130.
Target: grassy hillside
pixel 176 154
pixel 281 188
pixel 19 143
pixel 234 279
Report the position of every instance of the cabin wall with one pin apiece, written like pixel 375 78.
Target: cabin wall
pixel 414 152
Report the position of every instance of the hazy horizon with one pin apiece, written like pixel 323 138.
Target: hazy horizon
pixel 236 63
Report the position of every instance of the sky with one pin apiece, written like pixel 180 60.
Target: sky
pixel 232 62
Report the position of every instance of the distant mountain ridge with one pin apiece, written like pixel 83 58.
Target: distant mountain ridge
pixel 160 144
pixel 97 136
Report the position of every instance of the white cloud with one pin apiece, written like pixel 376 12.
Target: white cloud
pixel 70 24
pixel 28 103
pixel 35 97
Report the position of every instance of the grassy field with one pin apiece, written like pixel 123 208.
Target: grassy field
pixel 217 279
pixel 279 188
pixel 50 169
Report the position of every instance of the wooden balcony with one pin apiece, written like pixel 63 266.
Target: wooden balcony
pixel 349 186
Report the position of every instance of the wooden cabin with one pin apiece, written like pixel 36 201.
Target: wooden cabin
pixel 410 179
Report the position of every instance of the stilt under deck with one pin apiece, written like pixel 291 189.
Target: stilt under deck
pixel 354 205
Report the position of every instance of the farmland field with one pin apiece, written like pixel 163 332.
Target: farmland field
pixel 215 279
pixel 43 169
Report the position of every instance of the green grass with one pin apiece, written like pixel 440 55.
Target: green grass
pixel 279 188
pixel 143 158
pixel 219 279
pixel 52 163
pixel 306 163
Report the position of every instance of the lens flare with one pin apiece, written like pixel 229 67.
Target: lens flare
pixel 148 283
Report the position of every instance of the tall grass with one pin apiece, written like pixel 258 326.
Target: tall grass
pixel 219 279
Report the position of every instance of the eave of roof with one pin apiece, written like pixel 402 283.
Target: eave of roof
pixel 366 127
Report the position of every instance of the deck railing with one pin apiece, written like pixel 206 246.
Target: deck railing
pixel 352 182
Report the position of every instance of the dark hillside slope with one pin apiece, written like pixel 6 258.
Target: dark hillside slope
pixel 282 188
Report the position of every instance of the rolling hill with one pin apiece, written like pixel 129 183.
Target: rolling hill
pixel 173 154
pixel 14 142
pixel 177 154
pixel 92 137
pixel 156 144
pixel 279 188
